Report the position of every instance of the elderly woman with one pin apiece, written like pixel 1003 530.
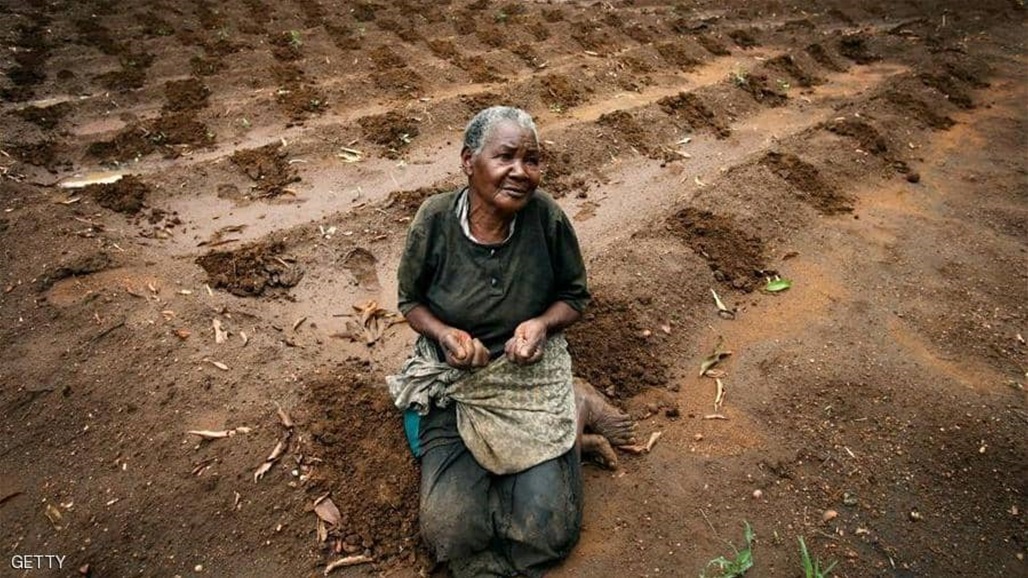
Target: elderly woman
pixel 490 277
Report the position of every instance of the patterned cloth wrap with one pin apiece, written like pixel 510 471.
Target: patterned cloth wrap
pixel 510 416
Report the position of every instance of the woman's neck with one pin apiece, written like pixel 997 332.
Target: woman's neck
pixel 487 226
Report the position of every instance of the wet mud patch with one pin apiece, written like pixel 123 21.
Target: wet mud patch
pixel 736 257
pixel 690 108
pixel 268 167
pixel 610 350
pixel 124 196
pixel 366 465
pixel 252 270
pixel 808 184
pixel 185 95
pixel 787 65
pixel 561 92
pixel 821 56
pixel 392 130
pixel 919 109
pixel 762 89
pixel 855 47
pixel 867 136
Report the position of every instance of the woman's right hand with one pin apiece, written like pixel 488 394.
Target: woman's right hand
pixel 462 351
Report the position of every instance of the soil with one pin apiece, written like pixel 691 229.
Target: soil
pixel 273 154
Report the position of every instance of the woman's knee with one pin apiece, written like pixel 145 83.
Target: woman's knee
pixel 454 528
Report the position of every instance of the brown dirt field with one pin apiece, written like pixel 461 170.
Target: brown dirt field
pixel 273 154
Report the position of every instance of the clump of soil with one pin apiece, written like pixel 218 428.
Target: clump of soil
pixel 201 66
pixel 808 182
pixel 123 79
pixel 406 203
pixel 480 101
pixel 170 134
pixel 865 134
pixel 713 45
pixel 398 81
pixel 182 95
pixel 610 350
pixel 85 264
pixel 918 109
pixel 760 88
pixel 690 108
pixel 124 196
pixel 299 101
pixel 491 35
pixel 443 48
pixel 343 37
pixel 250 271
pixel 553 14
pixel 45 118
pixel 856 49
pixel 786 64
pixel 357 432
pixel 364 11
pixel 41 154
pixel 637 32
pixel 676 54
pixel 528 54
pixel 286 46
pixel 820 55
pixel 392 129
pixel 744 38
pixel 560 91
pixel 268 167
pixel 735 257
pixel 384 57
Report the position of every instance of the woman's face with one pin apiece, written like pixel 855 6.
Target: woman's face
pixel 505 173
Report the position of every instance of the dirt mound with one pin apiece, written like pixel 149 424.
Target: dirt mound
pixel 480 70
pixel 678 55
pixel 628 129
pixel 250 271
pixel 787 65
pixel 745 38
pixel 299 101
pixel 919 109
pixel 406 203
pixel 41 154
pixel 855 47
pixel 808 183
pixel 170 134
pixel 612 351
pixel 758 86
pixel 185 95
pixel 125 196
pixel 383 57
pixel 366 465
pixel 689 107
pixel 393 130
pixel 867 136
pixel 713 45
pixel 952 88
pixel 45 118
pixel 268 167
pixel 821 55
pixel 736 257
pixel 561 92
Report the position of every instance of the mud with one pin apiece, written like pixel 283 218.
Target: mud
pixel 268 168
pixel 251 271
pixel 125 196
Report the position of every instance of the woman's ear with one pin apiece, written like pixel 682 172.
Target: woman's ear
pixel 465 160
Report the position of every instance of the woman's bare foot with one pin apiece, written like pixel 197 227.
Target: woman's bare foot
pixel 597 415
pixel 596 448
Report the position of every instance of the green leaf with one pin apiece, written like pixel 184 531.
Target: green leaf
pixel 777 284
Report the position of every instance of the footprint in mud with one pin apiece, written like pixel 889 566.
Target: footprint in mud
pixel 361 264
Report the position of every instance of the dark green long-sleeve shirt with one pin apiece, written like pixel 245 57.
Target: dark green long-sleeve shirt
pixel 488 290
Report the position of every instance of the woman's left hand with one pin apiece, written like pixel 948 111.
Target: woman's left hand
pixel 527 344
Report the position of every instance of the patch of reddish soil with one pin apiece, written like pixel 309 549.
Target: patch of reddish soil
pixel 687 106
pixel 268 168
pixel 124 196
pixel 762 89
pixel 562 92
pixel 392 129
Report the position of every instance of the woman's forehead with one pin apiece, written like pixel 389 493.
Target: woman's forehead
pixel 510 133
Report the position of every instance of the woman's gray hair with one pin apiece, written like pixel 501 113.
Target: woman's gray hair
pixel 486 120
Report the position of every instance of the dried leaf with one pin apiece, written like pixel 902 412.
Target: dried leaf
pixel 653 440
pixel 327 511
pixel 243 336
pixel 265 468
pixel 54 515
pixel 276 453
pixel 322 531
pixel 712 360
pixel 350 155
pixel 211 434
pixel 219 365
pixel 298 323
pixel 348 561
pixel 182 334
pixel 715 416
pixel 283 417
pixel 220 335
pixel 719 397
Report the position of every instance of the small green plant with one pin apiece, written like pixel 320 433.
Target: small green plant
pixel 737 566
pixel 738 77
pixel 783 85
pixel 295 39
pixel 501 17
pixel 812 568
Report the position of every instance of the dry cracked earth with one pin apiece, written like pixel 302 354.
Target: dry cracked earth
pixel 270 156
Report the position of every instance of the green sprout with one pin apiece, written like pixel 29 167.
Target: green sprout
pixel 812 568
pixel 737 566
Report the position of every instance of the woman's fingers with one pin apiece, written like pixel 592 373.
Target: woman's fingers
pixel 479 354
